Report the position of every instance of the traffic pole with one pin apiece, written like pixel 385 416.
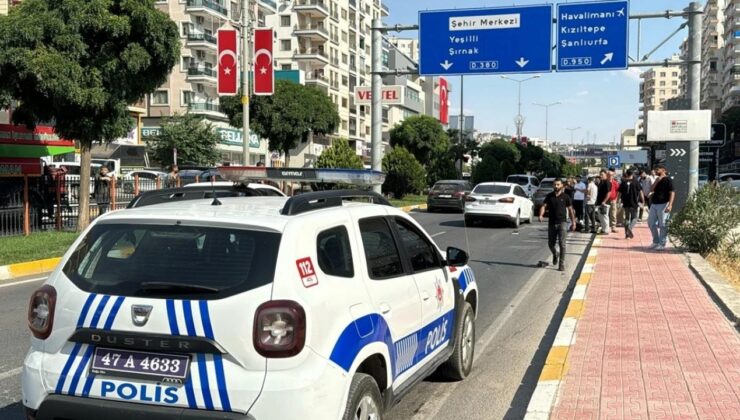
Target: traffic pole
pixel 694 81
pixel 245 80
pixel 376 139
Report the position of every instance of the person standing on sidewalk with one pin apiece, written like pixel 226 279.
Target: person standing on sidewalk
pixel 613 199
pixel 589 221
pixel 560 206
pixel 646 185
pixel 578 200
pixel 103 189
pixel 629 194
pixel 661 204
pixel 602 201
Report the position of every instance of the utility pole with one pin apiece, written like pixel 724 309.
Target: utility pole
pixel 573 129
pixel 377 106
pixel 519 119
pixel 694 81
pixel 246 29
pixel 547 119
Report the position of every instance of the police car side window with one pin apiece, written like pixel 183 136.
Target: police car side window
pixel 381 253
pixel 422 254
pixel 335 253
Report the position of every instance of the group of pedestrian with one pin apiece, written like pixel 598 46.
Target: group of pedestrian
pixel 596 205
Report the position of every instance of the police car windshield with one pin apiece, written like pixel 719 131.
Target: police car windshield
pixel 173 261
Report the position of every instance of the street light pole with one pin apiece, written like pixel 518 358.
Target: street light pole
pixel 246 28
pixel 547 118
pixel 571 134
pixel 519 120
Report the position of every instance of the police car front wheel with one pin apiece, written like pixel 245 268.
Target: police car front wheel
pixel 363 402
pixel 459 365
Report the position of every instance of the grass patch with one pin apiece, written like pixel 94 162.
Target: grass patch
pixel 728 267
pixel 409 200
pixel 38 246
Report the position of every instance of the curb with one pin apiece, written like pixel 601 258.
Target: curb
pixel 30 268
pixel 720 290
pixel 409 209
pixel 556 365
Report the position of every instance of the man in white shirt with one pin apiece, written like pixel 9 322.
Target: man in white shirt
pixel 646 184
pixel 589 222
pixel 578 200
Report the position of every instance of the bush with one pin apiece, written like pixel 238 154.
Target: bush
pixel 706 223
pixel 403 173
pixel 339 155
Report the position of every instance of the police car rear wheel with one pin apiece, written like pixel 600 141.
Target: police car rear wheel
pixel 363 402
pixel 459 365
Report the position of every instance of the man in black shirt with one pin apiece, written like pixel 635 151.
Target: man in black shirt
pixel 559 204
pixel 630 193
pixel 602 201
pixel 661 204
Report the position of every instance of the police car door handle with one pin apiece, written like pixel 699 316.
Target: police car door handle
pixel 384 308
pixel 425 296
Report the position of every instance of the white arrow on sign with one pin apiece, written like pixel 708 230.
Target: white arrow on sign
pixel 678 152
pixel 607 58
pixel 446 65
pixel 522 62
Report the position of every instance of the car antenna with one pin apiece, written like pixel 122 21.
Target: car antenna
pixel 215 201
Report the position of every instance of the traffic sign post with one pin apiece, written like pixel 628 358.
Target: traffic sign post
pixel 719 136
pixel 485 41
pixel 614 161
pixel 592 36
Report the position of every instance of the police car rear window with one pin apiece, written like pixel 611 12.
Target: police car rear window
pixel 173 261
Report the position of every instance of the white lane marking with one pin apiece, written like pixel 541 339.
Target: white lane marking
pixel 11 373
pixel 18 283
pixel 437 234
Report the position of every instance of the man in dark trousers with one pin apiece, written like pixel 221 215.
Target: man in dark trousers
pixel 602 201
pixel 661 204
pixel 559 204
pixel 629 193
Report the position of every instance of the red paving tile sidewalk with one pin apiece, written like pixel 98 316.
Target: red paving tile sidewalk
pixel 650 343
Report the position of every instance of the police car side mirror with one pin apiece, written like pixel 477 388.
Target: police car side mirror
pixel 456 257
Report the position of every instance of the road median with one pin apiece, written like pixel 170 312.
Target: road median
pixel 29 268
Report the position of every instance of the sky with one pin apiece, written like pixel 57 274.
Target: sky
pixel 602 103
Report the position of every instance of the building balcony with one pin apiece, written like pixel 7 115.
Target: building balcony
pixel 268 6
pixel 206 8
pixel 202 75
pixel 353 4
pixel 384 10
pixel 317 8
pixel 313 55
pixel 314 31
pixel 205 108
pixel 317 79
pixel 202 41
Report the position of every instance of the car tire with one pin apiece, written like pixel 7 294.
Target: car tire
pixel 517 219
pixel 531 216
pixel 363 401
pixel 459 365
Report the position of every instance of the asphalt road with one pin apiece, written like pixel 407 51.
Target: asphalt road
pixel 520 308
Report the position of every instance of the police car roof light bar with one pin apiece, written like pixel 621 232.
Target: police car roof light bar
pixel 324 199
pixel 314 175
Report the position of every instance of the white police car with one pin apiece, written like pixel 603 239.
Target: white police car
pixel 312 307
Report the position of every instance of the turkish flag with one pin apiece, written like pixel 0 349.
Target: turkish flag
pixel 228 67
pixel 444 101
pixel 264 77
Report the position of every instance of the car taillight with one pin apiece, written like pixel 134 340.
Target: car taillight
pixel 506 200
pixel 279 329
pixel 458 194
pixel 41 311
pixel 469 199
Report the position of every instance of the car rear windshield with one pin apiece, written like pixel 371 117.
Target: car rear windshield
pixel 521 180
pixel 173 261
pixel 447 187
pixel 492 189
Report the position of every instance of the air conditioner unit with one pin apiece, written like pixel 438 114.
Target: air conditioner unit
pixel 200 88
pixel 200 20
pixel 200 54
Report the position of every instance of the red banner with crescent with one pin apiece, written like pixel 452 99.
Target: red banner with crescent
pixel 444 101
pixel 264 77
pixel 228 67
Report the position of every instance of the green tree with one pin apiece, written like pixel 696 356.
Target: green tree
pixel 421 135
pixel 487 170
pixel 571 169
pixel 339 155
pixel 293 113
pixel 403 173
pixel 501 150
pixel 507 168
pixel 550 165
pixel 441 166
pixel 461 146
pixel 530 160
pixel 80 63
pixel 194 138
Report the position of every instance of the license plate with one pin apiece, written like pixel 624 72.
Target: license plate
pixel 445 196
pixel 125 363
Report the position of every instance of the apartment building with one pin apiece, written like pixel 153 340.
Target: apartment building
pixel 731 65
pixel 658 85
pixel 407 46
pixel 712 49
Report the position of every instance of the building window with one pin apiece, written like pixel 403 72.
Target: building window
pixel 185 63
pixel 675 74
pixel 345 81
pixel 662 91
pixel 185 29
pixel 186 97
pixel 344 14
pixel 344 124
pixel 662 74
pixel 344 36
pixel 344 103
pixel 674 91
pixel 160 97
pixel 285 45
pixel 285 21
pixel 286 67
pixel 662 83
pixel 674 83
pixel 344 59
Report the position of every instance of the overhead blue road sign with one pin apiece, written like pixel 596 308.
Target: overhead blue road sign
pixel 484 41
pixel 592 36
pixel 614 161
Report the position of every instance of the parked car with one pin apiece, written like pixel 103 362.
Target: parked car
pixel 732 179
pixel 147 180
pixel 449 194
pixel 72 178
pixel 529 183
pixel 264 189
pixel 498 200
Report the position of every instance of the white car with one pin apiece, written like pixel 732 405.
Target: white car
pixel 731 179
pixel 148 180
pixel 317 306
pixel 498 200
pixel 265 189
pixel 529 183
